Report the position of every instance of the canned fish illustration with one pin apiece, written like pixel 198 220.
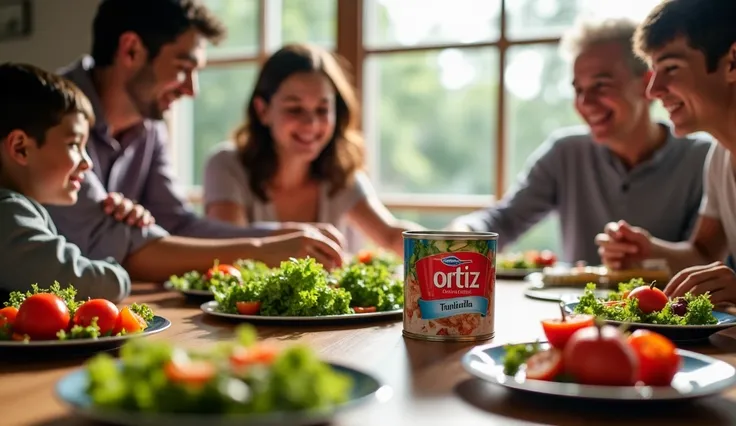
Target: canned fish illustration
pixel 449 285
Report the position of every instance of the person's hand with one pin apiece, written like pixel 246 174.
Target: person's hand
pixel 302 244
pixel 326 229
pixel 621 245
pixel 717 279
pixel 126 211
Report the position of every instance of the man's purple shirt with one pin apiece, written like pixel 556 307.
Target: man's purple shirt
pixel 136 164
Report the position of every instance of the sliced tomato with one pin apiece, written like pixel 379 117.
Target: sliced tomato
pixel 545 365
pixel 248 308
pixel 611 303
pixel 129 321
pixel 191 372
pixel 7 315
pixel 364 309
pixel 259 354
pixel 224 269
pixel 365 256
pixel 558 331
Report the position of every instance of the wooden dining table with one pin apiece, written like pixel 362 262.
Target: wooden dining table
pixel 428 385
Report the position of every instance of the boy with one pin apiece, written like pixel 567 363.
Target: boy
pixel 691 48
pixel 44 124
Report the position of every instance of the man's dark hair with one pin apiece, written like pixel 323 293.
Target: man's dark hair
pixel 34 100
pixel 157 22
pixel 707 25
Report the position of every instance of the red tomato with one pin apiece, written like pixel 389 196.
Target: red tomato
pixel 224 269
pixel 248 308
pixel 129 321
pixel 365 256
pixel 545 365
pixel 105 311
pixel 545 258
pixel 191 372
pixel 601 356
pixel 658 361
pixel 559 331
pixel 41 316
pixel 651 299
pixel 364 309
pixel 7 315
pixel 259 354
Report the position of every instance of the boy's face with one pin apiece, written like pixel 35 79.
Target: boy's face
pixel 55 171
pixel 695 98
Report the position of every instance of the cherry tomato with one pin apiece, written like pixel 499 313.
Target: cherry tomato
pixel 224 269
pixel 651 299
pixel 545 365
pixel 365 256
pixel 364 309
pixel 658 361
pixel 545 258
pixel 105 311
pixel 259 354
pixel 129 321
pixel 248 308
pixel 191 372
pixel 41 316
pixel 7 315
pixel 559 331
pixel 600 356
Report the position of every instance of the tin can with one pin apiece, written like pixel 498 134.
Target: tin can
pixel 449 285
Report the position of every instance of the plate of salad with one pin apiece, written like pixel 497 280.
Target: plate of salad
pixel 521 264
pixel 644 306
pixel 53 317
pixel 302 290
pixel 587 359
pixel 197 284
pixel 239 382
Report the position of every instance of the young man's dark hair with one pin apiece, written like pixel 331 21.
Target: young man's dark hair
pixel 156 22
pixel 707 25
pixel 34 100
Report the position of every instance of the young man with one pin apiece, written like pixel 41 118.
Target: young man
pixel 140 64
pixel 620 166
pixel 691 48
pixel 44 123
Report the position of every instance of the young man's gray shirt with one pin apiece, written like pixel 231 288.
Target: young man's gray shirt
pixel 588 186
pixel 32 252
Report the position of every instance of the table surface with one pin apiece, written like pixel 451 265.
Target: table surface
pixel 429 384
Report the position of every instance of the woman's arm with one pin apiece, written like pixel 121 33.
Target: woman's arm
pixel 376 221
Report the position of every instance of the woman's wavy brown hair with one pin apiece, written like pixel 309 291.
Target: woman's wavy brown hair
pixel 343 155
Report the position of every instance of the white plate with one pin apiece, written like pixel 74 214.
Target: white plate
pixel 515 273
pixel 699 376
pixel 168 285
pixel 211 308
pixel 158 325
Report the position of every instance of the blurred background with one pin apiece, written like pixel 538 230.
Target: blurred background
pixel 456 94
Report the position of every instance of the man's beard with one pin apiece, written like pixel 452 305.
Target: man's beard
pixel 139 89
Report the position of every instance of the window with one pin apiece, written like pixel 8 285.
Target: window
pixel 456 95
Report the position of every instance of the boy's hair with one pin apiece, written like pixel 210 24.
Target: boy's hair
pixel 157 22
pixel 34 100
pixel 588 33
pixel 708 26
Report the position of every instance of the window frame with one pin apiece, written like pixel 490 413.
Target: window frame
pixel 349 44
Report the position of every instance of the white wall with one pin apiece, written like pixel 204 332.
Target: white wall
pixel 60 33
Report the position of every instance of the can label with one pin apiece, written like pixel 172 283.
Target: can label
pixel 449 287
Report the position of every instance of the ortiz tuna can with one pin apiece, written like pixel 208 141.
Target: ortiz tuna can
pixel 449 285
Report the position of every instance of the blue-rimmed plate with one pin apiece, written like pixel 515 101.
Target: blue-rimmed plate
pixel 677 333
pixel 158 325
pixel 699 376
pixel 72 390
pixel 211 308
